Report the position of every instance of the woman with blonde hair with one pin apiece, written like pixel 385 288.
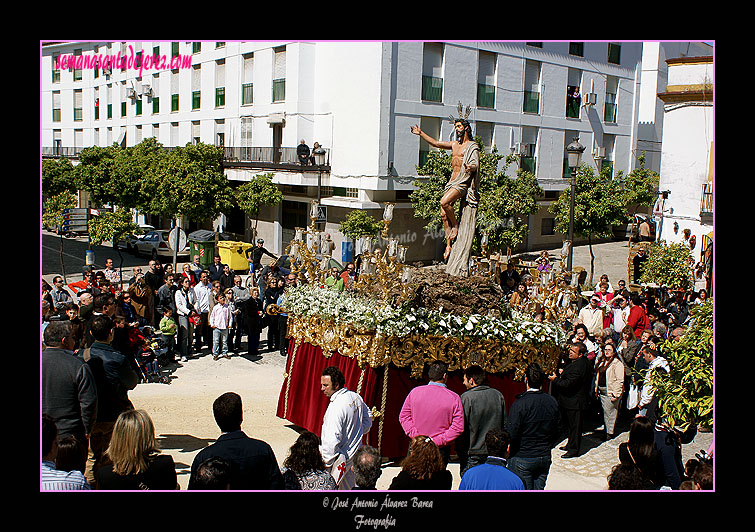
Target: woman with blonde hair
pixel 136 462
pixel 423 469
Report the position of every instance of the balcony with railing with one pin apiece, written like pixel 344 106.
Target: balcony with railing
pixel 273 158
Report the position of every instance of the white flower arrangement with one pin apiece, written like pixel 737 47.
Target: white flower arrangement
pixel 368 314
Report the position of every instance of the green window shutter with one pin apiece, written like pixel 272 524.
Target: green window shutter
pixel 110 110
pixel 247 93
pixel 531 102
pixel 279 90
pixel 220 97
pixel 485 96
pixel 432 89
pixel 195 99
pixel 155 105
pixel 174 102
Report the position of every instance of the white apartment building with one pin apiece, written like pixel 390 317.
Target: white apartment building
pixel 358 100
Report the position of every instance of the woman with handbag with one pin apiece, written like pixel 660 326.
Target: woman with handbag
pixel 136 461
pixel 609 386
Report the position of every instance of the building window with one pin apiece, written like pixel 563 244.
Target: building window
pixel 56 106
pixel 614 53
pixel 279 74
pixel 432 72
pixel 138 106
pixel 610 112
pixel 279 90
pixel 174 102
pixel 220 83
pixel 123 108
pixel 486 80
pixel 573 96
pixel 548 227
pixel 110 110
pixel 577 48
pixel 55 70
pixel 155 105
pixel 78 111
pixel 96 108
pixel 531 87
pixel 174 49
pixel 77 71
pixel 196 80
pixel 247 79
pixel 247 94
pixel 196 47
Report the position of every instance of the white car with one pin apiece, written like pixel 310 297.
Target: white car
pixel 155 244
pixel 128 242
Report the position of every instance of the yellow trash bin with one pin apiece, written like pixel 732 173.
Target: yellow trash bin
pixel 232 254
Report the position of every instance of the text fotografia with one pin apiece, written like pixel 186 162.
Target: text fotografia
pixel 129 60
pixel 357 504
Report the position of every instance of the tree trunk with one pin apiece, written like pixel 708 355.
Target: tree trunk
pixel 592 258
pixel 458 260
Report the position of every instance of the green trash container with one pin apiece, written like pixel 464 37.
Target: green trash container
pixel 202 243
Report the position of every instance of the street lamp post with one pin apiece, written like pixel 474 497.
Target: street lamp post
pixel 319 154
pixel 574 154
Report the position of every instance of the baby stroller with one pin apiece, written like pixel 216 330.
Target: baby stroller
pixel 149 355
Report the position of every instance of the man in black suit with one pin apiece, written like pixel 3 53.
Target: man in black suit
pixel 253 463
pixel 572 387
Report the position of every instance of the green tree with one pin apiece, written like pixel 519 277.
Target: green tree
pixel 599 204
pixel 504 204
pixel 52 216
pixel 259 192
pixel 58 175
pixel 640 186
pixel 359 223
pixel 685 394
pixel 111 226
pixel 189 181
pixel 94 173
pixel 669 265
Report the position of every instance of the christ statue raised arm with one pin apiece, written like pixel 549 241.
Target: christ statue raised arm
pixel 464 182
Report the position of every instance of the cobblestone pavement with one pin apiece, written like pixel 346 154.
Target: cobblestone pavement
pixel 589 470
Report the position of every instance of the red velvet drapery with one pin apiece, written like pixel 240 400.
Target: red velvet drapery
pixel 302 403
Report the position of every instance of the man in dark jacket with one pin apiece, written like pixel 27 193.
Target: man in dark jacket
pixel 484 409
pixel 533 425
pixel 302 152
pixel 253 463
pixel 114 376
pixel 69 392
pixel 572 387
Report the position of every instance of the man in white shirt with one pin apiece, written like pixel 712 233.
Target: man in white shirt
pixel 346 421
pixel 203 291
pixel 592 316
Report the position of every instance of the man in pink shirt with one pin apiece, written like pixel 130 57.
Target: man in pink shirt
pixel 433 410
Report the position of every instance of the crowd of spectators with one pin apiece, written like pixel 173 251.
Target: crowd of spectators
pixel 94 331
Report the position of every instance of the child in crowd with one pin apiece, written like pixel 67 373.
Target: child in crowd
pixel 221 319
pixel 169 327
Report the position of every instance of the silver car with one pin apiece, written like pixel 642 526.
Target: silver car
pixel 155 244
